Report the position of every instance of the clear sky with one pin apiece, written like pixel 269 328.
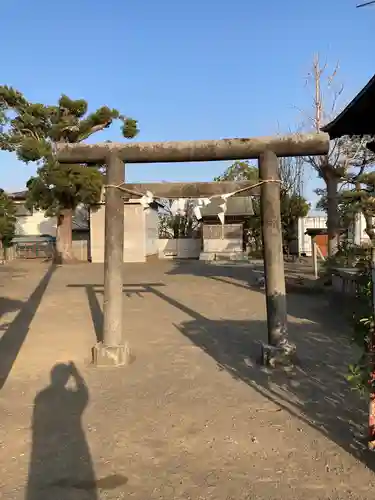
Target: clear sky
pixel 197 69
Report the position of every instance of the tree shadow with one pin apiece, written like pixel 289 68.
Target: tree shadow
pixel 307 303
pixel 15 333
pixel 315 392
pixel 9 305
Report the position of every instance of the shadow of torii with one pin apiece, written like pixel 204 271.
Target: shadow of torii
pixel 92 291
pixel 315 393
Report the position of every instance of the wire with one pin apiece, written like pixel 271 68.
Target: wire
pixel 365 4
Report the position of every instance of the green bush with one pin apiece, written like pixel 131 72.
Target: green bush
pixel 363 329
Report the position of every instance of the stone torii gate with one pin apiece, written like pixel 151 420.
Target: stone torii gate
pixel 114 350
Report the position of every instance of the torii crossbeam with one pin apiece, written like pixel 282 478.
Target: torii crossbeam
pixel 114 349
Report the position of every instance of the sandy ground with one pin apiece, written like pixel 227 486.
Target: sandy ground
pixel 194 417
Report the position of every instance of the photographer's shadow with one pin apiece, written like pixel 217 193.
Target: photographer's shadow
pixel 61 465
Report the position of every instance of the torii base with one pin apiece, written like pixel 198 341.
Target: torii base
pixel 282 356
pixel 111 356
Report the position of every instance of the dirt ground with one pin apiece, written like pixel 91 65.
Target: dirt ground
pixel 194 417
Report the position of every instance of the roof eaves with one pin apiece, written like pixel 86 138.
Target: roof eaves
pixel 329 127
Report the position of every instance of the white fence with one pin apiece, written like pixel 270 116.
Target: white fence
pixel 9 254
pixel 180 248
pixel 80 250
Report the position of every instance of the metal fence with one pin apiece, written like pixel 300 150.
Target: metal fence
pixel 42 250
pixel 29 250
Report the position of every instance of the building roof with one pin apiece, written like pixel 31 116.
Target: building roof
pixel 239 205
pixel 316 231
pixel 358 118
pixel 79 223
pixel 18 195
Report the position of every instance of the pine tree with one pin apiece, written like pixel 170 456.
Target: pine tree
pixel 7 220
pixel 32 129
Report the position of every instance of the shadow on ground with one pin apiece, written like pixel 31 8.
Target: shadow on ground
pixel 15 332
pixel 92 291
pixel 7 270
pixel 60 463
pixel 9 305
pixel 315 392
pixel 303 302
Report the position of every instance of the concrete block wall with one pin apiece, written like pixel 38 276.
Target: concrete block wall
pixel 151 232
pixel 180 248
pixel 140 233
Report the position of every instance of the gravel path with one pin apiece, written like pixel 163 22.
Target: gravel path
pixel 194 417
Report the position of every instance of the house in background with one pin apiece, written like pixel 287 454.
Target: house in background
pixel 140 238
pixel 33 224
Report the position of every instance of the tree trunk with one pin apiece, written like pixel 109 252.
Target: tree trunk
pixel 64 250
pixel 176 227
pixel 333 220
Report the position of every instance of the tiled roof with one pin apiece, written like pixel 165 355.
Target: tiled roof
pixel 358 117
pixel 241 205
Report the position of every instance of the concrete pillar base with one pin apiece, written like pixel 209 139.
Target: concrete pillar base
pixel 274 356
pixel 111 356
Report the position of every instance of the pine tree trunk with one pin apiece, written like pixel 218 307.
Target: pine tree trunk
pixel 333 221
pixel 64 248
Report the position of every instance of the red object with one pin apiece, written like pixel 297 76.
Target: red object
pixel 322 241
pixel 371 420
pixel 371 417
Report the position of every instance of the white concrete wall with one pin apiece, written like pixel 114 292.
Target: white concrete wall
pixel 152 231
pixel 167 248
pixel 223 245
pixel 134 233
pixel 35 224
pixel 357 233
pixel 180 248
pixel 97 233
pixel 80 250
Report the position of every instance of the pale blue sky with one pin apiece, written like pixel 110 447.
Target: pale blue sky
pixel 200 69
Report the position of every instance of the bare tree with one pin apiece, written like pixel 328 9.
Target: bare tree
pixel 292 175
pixel 177 223
pixel 345 152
